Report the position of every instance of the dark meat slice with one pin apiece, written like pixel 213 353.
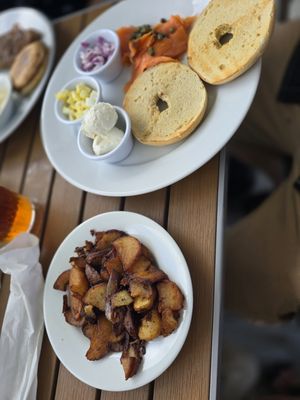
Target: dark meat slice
pixel 12 42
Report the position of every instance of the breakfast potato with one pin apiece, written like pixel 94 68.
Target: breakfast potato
pixel 76 306
pixel 131 359
pixel 169 296
pixel 69 317
pixel 113 262
pixel 95 296
pixel 150 275
pixel 129 249
pixel 143 294
pixel 141 264
pixel 105 239
pixel 78 282
pixel 62 281
pixel 99 335
pixel 150 326
pixel 121 299
pixel 78 262
pixel 168 322
pixel 90 315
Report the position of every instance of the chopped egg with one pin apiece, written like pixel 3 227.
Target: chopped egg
pixel 77 101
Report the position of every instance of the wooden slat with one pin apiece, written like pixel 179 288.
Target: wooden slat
pixel 153 206
pixel 193 228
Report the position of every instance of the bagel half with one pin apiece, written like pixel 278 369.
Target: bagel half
pixel 228 37
pixel 165 104
pixel 29 67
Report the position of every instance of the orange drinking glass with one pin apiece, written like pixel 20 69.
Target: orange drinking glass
pixel 16 215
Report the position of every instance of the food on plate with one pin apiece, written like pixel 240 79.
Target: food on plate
pixel 77 101
pixel 99 125
pixel 28 67
pixel 146 46
pixel 13 41
pixel 95 54
pixel 4 93
pixel 228 37
pixel 124 303
pixel 171 102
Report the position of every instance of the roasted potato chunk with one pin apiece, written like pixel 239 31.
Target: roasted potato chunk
pixel 76 306
pixel 151 275
pixel 95 296
pixel 99 335
pixel 105 239
pixel 78 282
pixel 129 250
pixel 143 294
pixel 113 262
pixel 150 326
pixel 90 314
pixel 169 296
pixel 168 322
pixel 121 299
pixel 62 281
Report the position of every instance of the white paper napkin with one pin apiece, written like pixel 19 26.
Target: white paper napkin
pixel 22 329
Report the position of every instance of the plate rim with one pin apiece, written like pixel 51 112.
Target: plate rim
pixel 189 311
pixel 38 91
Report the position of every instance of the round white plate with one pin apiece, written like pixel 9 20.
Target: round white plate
pixel 68 342
pixel 147 168
pixel 27 18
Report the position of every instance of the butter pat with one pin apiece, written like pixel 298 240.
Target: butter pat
pixel 106 142
pixel 99 119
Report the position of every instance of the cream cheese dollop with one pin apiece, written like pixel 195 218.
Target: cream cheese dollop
pixel 99 119
pixel 104 143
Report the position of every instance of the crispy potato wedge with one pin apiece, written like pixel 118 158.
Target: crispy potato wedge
pixel 62 281
pixel 113 262
pixel 96 296
pixel 140 265
pixel 92 275
pixel 143 294
pixel 150 326
pixel 76 306
pixel 99 335
pixel 168 322
pixel 169 296
pixel 131 358
pixel 149 276
pixel 105 239
pixel 147 253
pixel 129 249
pixel 78 262
pixel 78 282
pixel 71 320
pixel 121 299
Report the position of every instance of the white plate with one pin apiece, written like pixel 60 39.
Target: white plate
pixel 147 168
pixel 27 18
pixel 68 341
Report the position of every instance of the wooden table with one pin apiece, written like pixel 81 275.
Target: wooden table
pixel 191 210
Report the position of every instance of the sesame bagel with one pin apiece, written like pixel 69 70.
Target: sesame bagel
pixel 228 37
pixel 165 104
pixel 29 67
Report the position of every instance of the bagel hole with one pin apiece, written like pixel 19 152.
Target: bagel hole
pixel 223 35
pixel 161 104
pixel 225 38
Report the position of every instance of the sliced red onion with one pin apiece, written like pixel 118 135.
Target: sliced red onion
pixel 95 55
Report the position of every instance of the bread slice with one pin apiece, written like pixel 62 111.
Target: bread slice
pixel 165 103
pixel 29 67
pixel 228 37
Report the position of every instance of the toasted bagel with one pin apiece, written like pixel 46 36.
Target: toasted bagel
pixel 228 37
pixel 165 104
pixel 29 67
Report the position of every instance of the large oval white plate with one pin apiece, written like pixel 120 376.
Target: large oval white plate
pixel 68 341
pixel 27 18
pixel 147 168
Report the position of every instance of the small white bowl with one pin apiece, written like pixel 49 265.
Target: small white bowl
pixel 87 80
pixel 7 106
pixel 85 144
pixel 112 68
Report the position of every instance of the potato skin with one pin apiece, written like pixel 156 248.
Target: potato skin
pixel 150 326
pixel 78 282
